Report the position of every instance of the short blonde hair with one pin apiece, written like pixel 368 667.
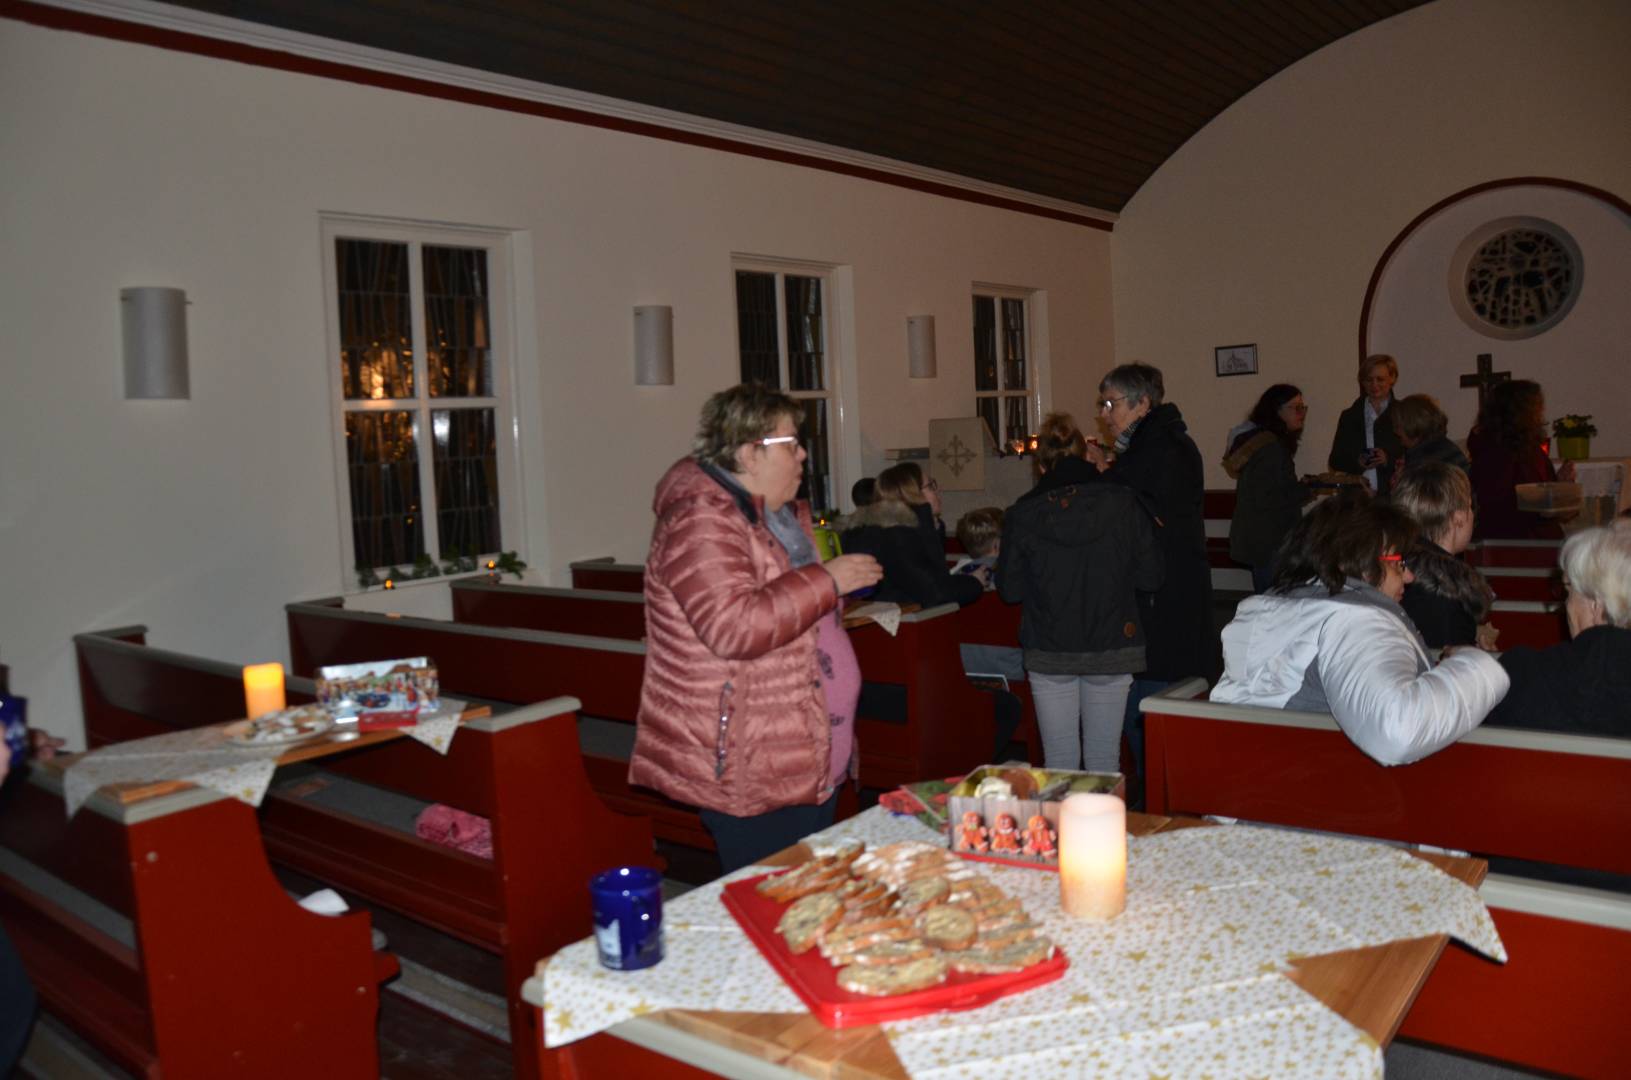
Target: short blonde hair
pixel 1379 360
pixel 1430 493
pixel 1597 564
pixel 902 483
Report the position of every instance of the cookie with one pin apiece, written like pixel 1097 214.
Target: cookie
pixel 885 980
pixel 808 918
pixel 1016 957
pixel 948 927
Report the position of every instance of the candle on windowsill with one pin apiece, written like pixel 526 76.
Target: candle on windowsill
pixel 263 689
pixel 1093 856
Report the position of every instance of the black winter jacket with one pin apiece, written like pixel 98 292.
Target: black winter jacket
pixel 1582 685
pixel 1268 498
pixel 1163 465
pixel 1073 552
pixel 1349 443
pixel 904 540
pixel 1447 600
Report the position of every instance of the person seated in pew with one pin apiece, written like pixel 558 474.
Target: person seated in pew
pixel 747 707
pixel 1423 431
pixel 1330 636
pixel 1448 600
pixel 1584 684
pixel 980 533
pixel 900 530
pixel 864 492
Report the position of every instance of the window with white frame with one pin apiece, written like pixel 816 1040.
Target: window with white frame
pixel 1004 376
pixel 783 320
pixel 420 362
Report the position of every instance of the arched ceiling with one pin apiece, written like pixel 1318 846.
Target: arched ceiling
pixel 1079 101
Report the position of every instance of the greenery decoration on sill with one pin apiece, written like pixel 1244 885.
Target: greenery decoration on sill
pixel 454 562
pixel 1574 426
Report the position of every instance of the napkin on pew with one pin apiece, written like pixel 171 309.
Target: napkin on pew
pixel 885 615
pixel 324 902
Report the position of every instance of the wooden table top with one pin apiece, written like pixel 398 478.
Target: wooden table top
pixel 1372 988
pixel 336 740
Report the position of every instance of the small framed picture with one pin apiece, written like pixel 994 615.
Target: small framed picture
pixel 1236 359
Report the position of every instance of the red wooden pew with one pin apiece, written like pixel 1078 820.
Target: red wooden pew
pixel 1540 554
pixel 519 768
pixel 607 575
pixel 154 928
pixel 1529 622
pixel 1537 796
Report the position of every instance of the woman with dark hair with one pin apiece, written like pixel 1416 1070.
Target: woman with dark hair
pixel 1074 551
pixel 1331 637
pixel 1365 443
pixel 747 707
pixel 1423 430
pixel 899 529
pixel 1268 498
pixel 1506 447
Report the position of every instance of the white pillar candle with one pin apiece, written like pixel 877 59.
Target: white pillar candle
pixel 1093 856
pixel 263 689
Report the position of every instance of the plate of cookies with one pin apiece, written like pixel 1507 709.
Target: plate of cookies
pixel 903 930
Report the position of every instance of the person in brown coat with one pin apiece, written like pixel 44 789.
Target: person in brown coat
pixel 748 703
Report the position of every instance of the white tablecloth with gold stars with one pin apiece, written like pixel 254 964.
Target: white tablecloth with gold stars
pixel 1186 982
pixel 206 757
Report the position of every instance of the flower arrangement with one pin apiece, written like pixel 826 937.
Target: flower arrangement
pixel 1574 426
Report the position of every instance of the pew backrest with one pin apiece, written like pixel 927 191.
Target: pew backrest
pixel 608 575
pixel 595 612
pixel 1540 796
pixel 1537 624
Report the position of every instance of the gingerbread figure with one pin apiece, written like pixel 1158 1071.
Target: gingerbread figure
pixel 971 834
pixel 1005 838
pixel 1038 837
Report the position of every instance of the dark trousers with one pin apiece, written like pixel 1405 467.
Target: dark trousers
pixel 1133 728
pixel 16 1006
pixel 743 841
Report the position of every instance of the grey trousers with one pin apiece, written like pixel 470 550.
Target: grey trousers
pixel 1080 716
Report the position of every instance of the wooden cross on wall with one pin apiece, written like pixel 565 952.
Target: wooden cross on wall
pixel 1484 378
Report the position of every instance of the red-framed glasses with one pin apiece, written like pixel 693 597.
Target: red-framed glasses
pixel 1393 558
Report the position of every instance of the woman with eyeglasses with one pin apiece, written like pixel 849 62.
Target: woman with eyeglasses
pixel 1584 684
pixel 1075 551
pixel 747 707
pixel 1331 637
pixel 900 529
pixel 1268 497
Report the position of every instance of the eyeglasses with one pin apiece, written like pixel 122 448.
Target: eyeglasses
pixel 931 484
pixel 1295 408
pixel 1393 558
pixel 1106 404
pixel 772 440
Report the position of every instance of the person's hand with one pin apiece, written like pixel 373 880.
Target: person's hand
pixel 1098 456
pixel 983 575
pixel 1487 633
pixel 1566 473
pixel 44 745
pixel 851 572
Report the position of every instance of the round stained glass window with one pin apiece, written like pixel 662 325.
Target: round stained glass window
pixel 1517 277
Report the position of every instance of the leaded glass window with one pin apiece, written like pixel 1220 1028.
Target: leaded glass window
pixel 1003 392
pixel 421 401
pixel 782 319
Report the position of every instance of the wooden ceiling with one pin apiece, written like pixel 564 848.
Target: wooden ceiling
pixel 1079 101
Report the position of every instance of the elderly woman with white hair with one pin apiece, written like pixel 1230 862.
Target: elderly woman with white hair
pixel 1584 684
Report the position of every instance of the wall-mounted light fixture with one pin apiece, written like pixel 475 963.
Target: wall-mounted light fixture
pixel 154 323
pixel 654 345
pixel 920 346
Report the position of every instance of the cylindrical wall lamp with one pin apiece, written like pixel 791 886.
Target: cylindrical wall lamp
pixel 654 345
pixel 920 346
pixel 154 321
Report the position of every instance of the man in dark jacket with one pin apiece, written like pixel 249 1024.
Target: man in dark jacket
pixel 1157 459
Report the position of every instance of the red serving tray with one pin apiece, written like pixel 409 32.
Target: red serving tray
pixel 815 980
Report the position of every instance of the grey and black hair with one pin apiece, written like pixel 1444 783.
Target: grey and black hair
pixel 745 413
pixel 1137 381
pixel 1430 493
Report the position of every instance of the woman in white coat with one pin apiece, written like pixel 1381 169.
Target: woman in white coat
pixel 1330 636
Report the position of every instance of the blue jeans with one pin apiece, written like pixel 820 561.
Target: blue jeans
pixel 743 841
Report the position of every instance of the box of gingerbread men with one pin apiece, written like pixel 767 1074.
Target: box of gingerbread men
pixel 1010 813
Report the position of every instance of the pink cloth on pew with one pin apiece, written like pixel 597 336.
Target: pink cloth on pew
pixel 469 833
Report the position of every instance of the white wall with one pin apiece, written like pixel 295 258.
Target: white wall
pixel 1584 362
pixel 126 165
pixel 1265 227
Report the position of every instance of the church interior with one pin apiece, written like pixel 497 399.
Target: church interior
pixel 585 218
